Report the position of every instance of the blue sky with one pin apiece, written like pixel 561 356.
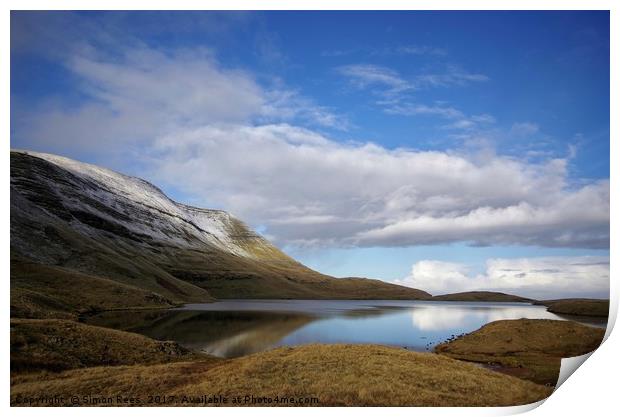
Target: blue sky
pixel 444 150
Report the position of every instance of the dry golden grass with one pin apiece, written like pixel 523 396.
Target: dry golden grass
pixel 347 375
pixel 530 349
pixel 55 345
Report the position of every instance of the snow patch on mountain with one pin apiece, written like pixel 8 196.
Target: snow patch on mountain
pixel 145 210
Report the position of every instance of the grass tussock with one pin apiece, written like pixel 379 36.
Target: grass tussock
pixel 55 345
pixel 529 349
pixel 338 375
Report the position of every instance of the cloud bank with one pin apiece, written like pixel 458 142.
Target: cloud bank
pixel 539 278
pixel 308 189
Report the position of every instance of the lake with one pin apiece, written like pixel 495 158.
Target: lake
pixel 233 328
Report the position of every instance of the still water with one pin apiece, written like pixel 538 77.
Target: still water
pixel 234 328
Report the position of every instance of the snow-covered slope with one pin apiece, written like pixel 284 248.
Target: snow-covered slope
pixel 145 210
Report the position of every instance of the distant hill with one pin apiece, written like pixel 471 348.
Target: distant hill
pixel 87 238
pixel 481 296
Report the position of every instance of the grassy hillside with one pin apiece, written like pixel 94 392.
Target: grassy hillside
pixel 578 307
pixel 340 375
pixel 530 349
pixel 54 345
pixel 40 291
pixel 481 296
pixel 225 275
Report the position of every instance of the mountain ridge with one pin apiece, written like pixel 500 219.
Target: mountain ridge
pixel 81 218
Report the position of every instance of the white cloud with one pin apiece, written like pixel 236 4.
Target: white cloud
pixel 365 75
pixel 402 50
pixel 437 276
pixel 418 50
pixel 386 81
pixel 286 104
pixel 483 118
pixel 454 76
pixel 459 120
pixel 420 109
pixel 308 189
pixel 540 278
pixel 144 93
pixel 572 151
pixel 187 86
pixel 524 128
pixel 562 222
pixel 462 124
pixel 395 91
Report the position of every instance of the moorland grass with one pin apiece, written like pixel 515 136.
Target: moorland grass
pixel 338 375
pixel 530 349
pixel 55 345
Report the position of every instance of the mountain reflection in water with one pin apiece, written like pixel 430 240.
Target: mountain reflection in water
pixel 235 328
